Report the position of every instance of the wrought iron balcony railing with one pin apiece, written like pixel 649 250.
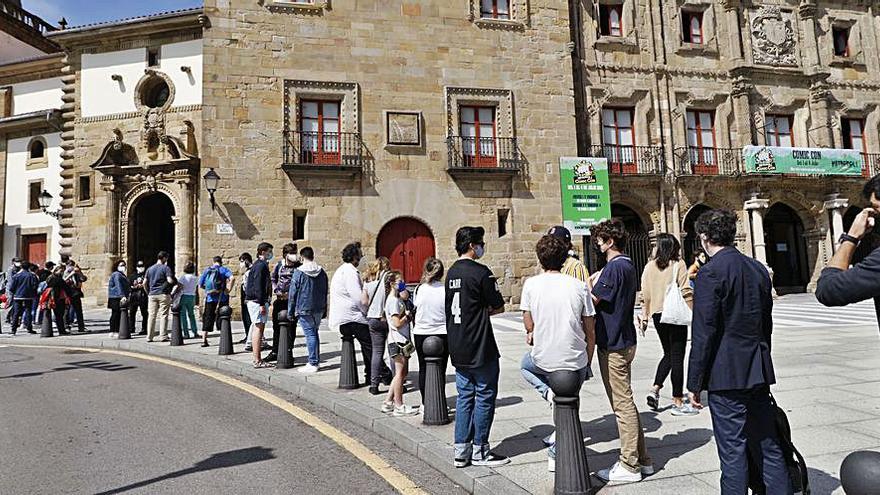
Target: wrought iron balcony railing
pixel 323 149
pixel 631 160
pixel 870 164
pixel 483 153
pixel 694 160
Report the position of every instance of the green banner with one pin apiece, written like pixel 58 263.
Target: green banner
pixel 801 161
pixel 586 197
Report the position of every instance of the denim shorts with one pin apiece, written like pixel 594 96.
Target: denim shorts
pixel 254 310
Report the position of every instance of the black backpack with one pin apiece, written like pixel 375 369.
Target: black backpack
pixel 797 467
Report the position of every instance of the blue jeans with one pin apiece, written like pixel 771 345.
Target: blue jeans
pixel 475 409
pixel 21 314
pixel 310 325
pixel 745 420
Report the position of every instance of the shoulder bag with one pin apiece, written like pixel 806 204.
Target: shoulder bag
pixel 675 309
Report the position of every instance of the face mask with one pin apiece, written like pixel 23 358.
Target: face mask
pixel 269 256
pixel 17 264
pixel 293 258
pixel 479 251
pixel 140 269
pixel 242 264
pixel 401 286
pixel 121 269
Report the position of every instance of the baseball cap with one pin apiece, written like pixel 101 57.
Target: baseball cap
pixel 560 232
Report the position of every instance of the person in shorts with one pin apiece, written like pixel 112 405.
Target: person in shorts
pixel 400 346
pixel 258 294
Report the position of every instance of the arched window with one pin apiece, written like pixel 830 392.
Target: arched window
pixel 37 149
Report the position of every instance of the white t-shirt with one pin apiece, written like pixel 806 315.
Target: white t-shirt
pixel 557 302
pixel 394 306
pixel 188 284
pixel 377 300
pixel 430 303
pixel 346 289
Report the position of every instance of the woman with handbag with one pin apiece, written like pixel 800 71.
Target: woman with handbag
pixel 374 297
pixel 667 298
pixel 400 346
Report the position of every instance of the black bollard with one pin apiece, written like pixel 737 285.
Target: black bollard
pixel 285 354
pixel 348 374
pixel 436 411
pixel 46 325
pixel 860 473
pixel 124 328
pixel 572 470
pixel 176 335
pixel 225 314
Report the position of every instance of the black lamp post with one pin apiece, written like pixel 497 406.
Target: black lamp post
pixel 45 200
pixel 212 180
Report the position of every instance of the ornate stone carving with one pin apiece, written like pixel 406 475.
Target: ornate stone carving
pixel 742 86
pixel 117 153
pixel 773 40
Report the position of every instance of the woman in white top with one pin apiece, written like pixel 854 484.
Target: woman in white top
pixel 373 298
pixel 429 300
pixel 188 283
pixel 399 346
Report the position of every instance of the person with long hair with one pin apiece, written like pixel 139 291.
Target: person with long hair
pixel 429 300
pixel 666 267
pixel 399 346
pixel 373 298
pixel 188 290
pixel 118 288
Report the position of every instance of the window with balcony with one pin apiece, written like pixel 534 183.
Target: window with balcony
pixel 777 131
pixel 319 132
pixel 495 9
pixel 480 135
pixel 702 152
pixel 611 19
pixel 853 131
pixel 840 36
pixel 477 128
pixel 692 27
pixel 618 139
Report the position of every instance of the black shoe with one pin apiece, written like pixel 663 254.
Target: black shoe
pixel 248 348
pixel 63 332
pixel 142 333
pixel 271 357
pixel 374 391
pixel 31 331
pixel 242 341
pixel 491 460
pixel 387 380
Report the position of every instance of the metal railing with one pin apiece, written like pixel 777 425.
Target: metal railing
pixel 631 160
pixel 30 20
pixel 870 164
pixel 323 149
pixel 470 152
pixel 693 160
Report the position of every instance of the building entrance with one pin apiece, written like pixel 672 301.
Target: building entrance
pixel 152 229
pixel 786 249
pixel 407 242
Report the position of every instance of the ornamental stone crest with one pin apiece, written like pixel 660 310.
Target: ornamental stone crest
pixel 773 41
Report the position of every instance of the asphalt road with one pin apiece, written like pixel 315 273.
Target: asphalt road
pixel 75 422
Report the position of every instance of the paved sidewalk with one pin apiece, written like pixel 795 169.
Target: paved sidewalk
pixel 828 384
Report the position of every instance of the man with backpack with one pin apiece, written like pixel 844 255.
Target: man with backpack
pixel 281 277
pixel 215 281
pixel 730 358
pixel 23 289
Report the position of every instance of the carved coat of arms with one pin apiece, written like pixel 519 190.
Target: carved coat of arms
pixel 773 41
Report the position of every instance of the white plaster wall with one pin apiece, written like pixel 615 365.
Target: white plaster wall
pixel 101 95
pixel 188 88
pixel 11 49
pixel 17 178
pixel 42 94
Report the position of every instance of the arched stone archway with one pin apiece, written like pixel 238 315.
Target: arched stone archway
pixel 152 227
pixel 407 242
pixel 787 255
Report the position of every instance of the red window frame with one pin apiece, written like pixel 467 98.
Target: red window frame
pixel 481 157
pixel 846 132
pixel 606 28
pixel 623 160
pixel 702 166
pixel 776 141
pixel 494 13
pixel 836 32
pixel 689 34
pixel 320 155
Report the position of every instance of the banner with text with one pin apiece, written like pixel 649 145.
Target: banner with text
pixel 801 161
pixel 586 197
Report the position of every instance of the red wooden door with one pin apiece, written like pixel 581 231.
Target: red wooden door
pixel 407 242
pixel 33 248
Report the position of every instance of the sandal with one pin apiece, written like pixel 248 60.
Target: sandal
pixel 263 364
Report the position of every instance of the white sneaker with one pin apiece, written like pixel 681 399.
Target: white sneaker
pixel 619 474
pixel 647 470
pixel 387 407
pixel 113 335
pixel 308 369
pixel 404 410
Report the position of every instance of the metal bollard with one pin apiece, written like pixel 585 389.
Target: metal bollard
pixel 176 335
pixel 860 473
pixel 124 327
pixel 225 314
pixel 348 374
pixel 436 410
pixel 572 470
pixel 46 325
pixel 285 354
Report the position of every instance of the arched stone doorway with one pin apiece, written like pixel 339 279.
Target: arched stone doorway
pixel 151 227
pixel 407 242
pixel 639 245
pixel 691 244
pixel 786 249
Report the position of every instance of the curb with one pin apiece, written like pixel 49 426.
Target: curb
pixel 411 439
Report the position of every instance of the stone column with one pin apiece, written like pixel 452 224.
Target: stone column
pixel 756 207
pixel 184 224
pixel 836 206
pixel 742 111
pixel 731 21
pixel 808 12
pixel 815 255
pixel 114 199
pixel 821 133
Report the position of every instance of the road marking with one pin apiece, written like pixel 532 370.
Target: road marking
pixel 395 478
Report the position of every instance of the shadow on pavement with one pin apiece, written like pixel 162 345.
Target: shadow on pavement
pixel 216 461
pixel 822 482
pixel 94 364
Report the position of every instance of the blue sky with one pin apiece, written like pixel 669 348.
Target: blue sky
pixel 80 12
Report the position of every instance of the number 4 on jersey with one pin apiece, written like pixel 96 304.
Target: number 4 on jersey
pixel 456 309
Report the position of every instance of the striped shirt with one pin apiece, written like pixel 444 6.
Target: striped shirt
pixel 574 268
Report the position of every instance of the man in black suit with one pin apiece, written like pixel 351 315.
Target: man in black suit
pixel 730 357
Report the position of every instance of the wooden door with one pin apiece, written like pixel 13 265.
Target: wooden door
pixel 407 242
pixel 33 248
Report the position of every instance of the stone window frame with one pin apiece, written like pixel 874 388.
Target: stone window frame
pixel 501 99
pixel 519 16
pixel 856 57
pixel 638 99
pixel 347 93
pixel 709 46
pixel 40 162
pixel 42 188
pixel 630 39
pixel 718 103
pixel 78 193
pixel 301 7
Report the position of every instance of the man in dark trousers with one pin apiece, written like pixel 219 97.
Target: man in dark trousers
pixel 841 284
pixel 23 289
pixel 730 358
pixel 138 300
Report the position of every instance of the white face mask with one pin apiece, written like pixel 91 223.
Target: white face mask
pixel 140 269
pixel 17 264
pixel 121 269
pixel 293 258
pixel 242 264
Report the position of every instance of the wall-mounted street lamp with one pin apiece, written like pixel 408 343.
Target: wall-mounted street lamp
pixel 186 68
pixel 212 180
pixel 45 200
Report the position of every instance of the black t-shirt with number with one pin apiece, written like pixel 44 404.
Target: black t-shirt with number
pixel 471 292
